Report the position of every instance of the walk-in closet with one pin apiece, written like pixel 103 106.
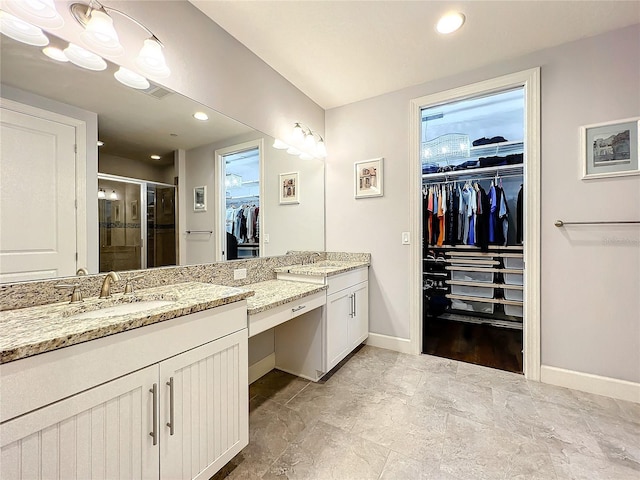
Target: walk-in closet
pixel 473 157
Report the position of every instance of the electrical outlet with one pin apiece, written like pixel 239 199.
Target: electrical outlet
pixel 240 273
pixel 405 238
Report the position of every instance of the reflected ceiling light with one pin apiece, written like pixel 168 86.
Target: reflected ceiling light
pixel 279 144
pixel 42 13
pixel 100 143
pixel 450 22
pixel 131 79
pixel 101 34
pixel 156 157
pixel 55 53
pixel 22 31
pixel 84 58
pixel 201 116
pixel 102 193
pixel 114 195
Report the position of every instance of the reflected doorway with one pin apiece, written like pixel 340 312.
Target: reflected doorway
pixel 137 224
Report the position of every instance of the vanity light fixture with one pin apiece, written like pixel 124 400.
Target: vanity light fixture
pixel 155 157
pixel 84 58
pixel 18 29
pixel 303 143
pixel 114 195
pixel 201 116
pixel 131 79
pixel 41 13
pixel 55 53
pixel 102 194
pixel 101 35
pixel 450 22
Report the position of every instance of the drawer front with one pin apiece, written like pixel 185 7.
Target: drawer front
pixel 271 318
pixel 347 279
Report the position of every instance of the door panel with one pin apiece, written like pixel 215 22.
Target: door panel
pixel 359 323
pixel 338 315
pixel 37 198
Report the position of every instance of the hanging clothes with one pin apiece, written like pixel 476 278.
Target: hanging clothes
pixel 482 219
pixel 442 208
pixel 519 218
pixel 493 215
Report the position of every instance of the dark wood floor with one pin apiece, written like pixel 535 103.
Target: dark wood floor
pixel 480 344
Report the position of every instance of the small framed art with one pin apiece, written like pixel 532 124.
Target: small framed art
pixel 610 149
pixel 289 188
pixel 200 199
pixel 368 178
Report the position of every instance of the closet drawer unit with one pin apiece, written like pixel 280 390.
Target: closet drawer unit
pixel 469 306
pixel 513 294
pixel 472 276
pixel 514 310
pixel 469 291
pixel 514 263
pixel 513 278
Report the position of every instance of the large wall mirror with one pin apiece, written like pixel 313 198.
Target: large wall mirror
pixel 113 206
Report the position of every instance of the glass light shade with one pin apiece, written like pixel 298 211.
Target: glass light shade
pixel 100 34
pixel 151 60
pixel 279 144
pixel 310 142
pixel 293 151
pixel 321 149
pixel 298 134
pixel 450 22
pixel 84 58
pixel 306 156
pixel 42 13
pixel 102 194
pixel 55 54
pixel 131 79
pixel 114 195
pixel 18 29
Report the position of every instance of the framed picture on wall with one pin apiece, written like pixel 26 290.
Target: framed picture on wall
pixel 368 178
pixel 610 149
pixel 134 209
pixel 200 199
pixel 289 188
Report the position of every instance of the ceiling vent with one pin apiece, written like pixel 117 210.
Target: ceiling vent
pixel 156 91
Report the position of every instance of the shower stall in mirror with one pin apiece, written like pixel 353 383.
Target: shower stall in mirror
pixel 137 224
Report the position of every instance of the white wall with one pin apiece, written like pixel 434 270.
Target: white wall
pixel 126 167
pixel 590 277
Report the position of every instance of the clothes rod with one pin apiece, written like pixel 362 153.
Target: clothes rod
pixel 210 232
pixel 461 180
pixel 561 223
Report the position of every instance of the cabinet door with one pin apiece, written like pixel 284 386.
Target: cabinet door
pixel 100 433
pixel 210 408
pixel 339 311
pixel 359 321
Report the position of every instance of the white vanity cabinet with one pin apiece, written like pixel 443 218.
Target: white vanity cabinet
pixel 347 314
pixel 182 415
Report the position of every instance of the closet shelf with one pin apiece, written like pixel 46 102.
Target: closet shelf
pixel 477 249
pixel 501 301
pixel 471 261
pixel 456 317
pixel 484 285
pixel 491 270
pixel 483 254
pixel 479 173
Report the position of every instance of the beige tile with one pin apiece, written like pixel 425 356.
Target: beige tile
pixel 277 386
pixel 490 377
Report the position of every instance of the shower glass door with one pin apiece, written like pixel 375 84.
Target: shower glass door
pixel 161 225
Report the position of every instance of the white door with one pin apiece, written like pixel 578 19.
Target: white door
pixel 37 198
pixel 204 412
pixel 100 433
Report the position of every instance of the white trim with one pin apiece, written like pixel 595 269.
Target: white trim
pixel 402 345
pixel 530 79
pixel 587 382
pixel 262 367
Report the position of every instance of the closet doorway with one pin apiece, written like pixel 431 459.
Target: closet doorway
pixel 474 150
pixel 239 186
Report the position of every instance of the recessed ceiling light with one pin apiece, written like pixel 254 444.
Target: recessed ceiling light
pixel 55 53
pixel 450 22
pixel 201 116
pixel 156 157
pixel 100 143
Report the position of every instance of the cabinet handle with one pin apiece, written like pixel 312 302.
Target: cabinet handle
pixel 154 432
pixel 351 306
pixel 298 308
pixel 171 423
pixel 354 305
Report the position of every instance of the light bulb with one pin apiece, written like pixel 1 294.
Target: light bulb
pixel 321 149
pixel 84 58
pixel 155 157
pixel 151 59
pixel 309 142
pixel 42 13
pixel 298 134
pixel 102 194
pixel 203 117
pixel 18 29
pixel 100 34
pixel 131 79
pixel 114 195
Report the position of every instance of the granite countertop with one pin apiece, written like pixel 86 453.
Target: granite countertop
pixel 323 268
pixel 29 331
pixel 273 293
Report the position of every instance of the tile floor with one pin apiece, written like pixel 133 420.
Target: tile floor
pixel 386 415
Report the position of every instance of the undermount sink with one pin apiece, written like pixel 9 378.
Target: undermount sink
pixel 121 309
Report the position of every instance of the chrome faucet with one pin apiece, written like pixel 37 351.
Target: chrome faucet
pixel 105 291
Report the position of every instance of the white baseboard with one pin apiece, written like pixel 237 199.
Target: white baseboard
pixel 587 382
pixel 402 345
pixel 262 367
